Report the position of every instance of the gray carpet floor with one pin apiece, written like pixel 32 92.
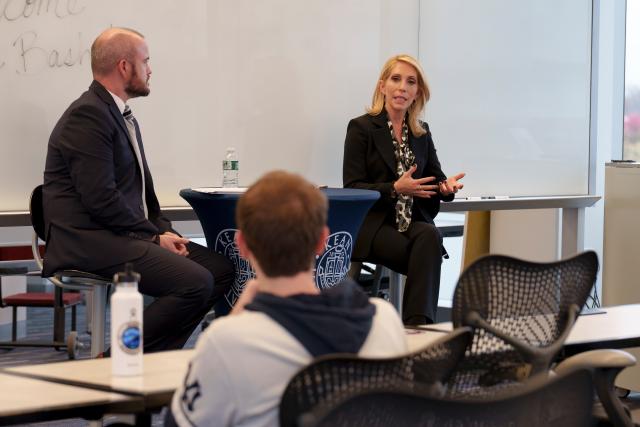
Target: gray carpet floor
pixel 40 327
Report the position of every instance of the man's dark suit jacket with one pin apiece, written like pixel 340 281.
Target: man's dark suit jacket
pixel 370 163
pixel 93 213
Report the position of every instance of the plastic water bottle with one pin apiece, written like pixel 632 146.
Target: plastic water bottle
pixel 126 324
pixel 230 168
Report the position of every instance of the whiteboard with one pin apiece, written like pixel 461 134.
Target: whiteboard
pixel 510 101
pixel 278 80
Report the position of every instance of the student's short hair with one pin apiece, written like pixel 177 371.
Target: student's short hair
pixel 282 217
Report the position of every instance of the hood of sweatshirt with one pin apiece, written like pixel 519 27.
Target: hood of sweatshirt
pixel 338 320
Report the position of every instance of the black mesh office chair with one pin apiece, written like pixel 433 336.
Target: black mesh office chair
pixel 97 286
pixel 521 313
pixel 328 378
pixel 564 401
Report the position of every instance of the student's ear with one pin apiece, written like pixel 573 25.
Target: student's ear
pixel 322 241
pixel 242 245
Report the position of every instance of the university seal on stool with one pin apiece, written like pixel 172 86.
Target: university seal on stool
pixel 226 245
pixel 333 264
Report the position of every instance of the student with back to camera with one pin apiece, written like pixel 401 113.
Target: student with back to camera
pixel 243 362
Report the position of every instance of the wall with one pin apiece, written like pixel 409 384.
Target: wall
pixel 278 80
pixel 510 100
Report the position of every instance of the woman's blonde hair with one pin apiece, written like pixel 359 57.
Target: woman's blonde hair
pixel 377 103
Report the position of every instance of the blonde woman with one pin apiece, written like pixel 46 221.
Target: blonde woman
pixel 390 150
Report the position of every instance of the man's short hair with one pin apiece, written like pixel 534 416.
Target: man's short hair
pixel 111 46
pixel 282 217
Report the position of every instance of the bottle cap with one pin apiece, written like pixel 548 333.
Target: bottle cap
pixel 127 276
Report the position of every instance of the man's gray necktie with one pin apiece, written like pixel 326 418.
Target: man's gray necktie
pixel 135 144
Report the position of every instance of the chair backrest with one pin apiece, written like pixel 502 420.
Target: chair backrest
pixel 521 313
pixel 329 377
pixel 36 212
pixel 564 401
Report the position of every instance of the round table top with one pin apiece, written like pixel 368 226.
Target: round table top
pixel 332 193
pixel 350 194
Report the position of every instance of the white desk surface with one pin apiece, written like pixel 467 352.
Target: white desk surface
pixel 163 372
pixel 530 202
pixel 185 213
pixel 418 338
pixel 617 327
pixel 21 396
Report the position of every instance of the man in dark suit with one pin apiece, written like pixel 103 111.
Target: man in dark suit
pixel 100 206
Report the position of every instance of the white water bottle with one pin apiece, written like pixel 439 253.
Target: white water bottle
pixel 126 324
pixel 230 168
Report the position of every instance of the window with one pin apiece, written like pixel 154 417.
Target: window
pixel 632 83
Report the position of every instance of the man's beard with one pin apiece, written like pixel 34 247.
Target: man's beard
pixel 136 86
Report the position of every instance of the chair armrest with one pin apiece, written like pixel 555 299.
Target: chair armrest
pixel 35 250
pixel 539 357
pixel 608 358
pixel 605 366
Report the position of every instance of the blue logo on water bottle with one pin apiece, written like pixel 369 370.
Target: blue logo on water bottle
pixel 130 337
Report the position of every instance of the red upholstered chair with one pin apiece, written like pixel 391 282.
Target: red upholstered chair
pixel 57 300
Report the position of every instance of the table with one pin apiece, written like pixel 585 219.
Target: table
pixel 617 327
pixel 572 238
pixel 613 327
pixel 162 374
pixel 573 207
pixel 347 209
pixel 572 235
pixel 571 204
pixel 28 400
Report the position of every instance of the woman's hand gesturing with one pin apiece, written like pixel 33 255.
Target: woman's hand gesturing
pixel 420 187
pixel 451 185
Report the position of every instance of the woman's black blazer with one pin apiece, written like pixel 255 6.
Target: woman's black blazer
pixel 370 163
